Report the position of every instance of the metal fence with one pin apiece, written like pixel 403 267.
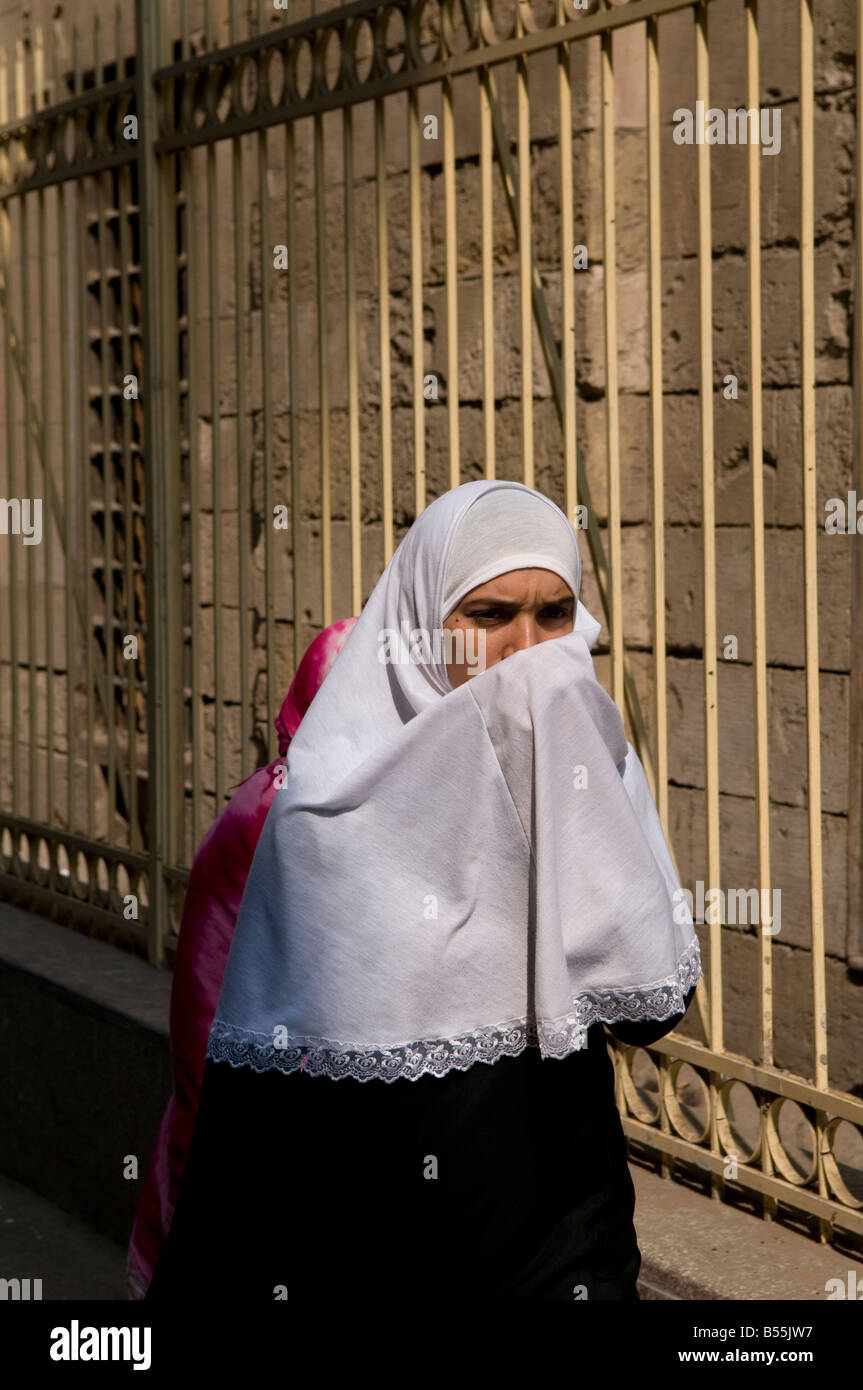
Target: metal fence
pixel 219 247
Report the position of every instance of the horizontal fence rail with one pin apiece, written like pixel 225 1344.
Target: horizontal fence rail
pixel 267 289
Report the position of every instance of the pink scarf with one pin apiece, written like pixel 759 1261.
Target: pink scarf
pixel 215 888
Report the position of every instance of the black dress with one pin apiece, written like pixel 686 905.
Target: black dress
pixel 320 1187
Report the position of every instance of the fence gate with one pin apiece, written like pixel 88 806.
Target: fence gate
pixel 269 282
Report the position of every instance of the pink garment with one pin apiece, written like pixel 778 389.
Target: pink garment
pixel 215 888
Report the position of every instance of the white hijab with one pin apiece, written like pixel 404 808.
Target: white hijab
pixel 451 875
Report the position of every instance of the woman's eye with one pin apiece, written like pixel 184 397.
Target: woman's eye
pixel 555 610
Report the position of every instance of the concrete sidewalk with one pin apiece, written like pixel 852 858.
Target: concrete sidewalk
pixel 40 1241
pixel 695 1248
pixel 692 1248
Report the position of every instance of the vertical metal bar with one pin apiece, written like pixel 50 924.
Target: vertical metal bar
pixel 118 41
pixel 612 424
pixel 213 281
pixel 77 77
pixel 66 346
pixel 240 424
pixel 759 619
pixel 293 370
pixel 417 339
pixel 384 311
pixel 84 439
pixel 86 467
pixel 216 467
pixel 164 627
pixel 711 727
pixel 124 202
pixel 567 275
pixel 48 781
pixel 48 523
pixel 709 515
pixel 353 359
pixel 20 97
pixel 267 425
pixel 810 569
pixel 6 262
pixel 166 409
pixel 23 103
pixel 81 353
pixel 810 533
pixel 38 69
pixel 756 454
pixel 29 562
pixel 323 372
pixel 525 267
pixel 55 60
pixel 657 452
pixel 195 301
pixel 103 193
pixel 266 339
pixel 243 490
pixel 486 169
pixel 450 241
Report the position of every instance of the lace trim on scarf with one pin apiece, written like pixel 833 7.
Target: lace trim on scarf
pixel 556 1038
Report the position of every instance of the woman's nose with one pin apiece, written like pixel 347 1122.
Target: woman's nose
pixel 525 633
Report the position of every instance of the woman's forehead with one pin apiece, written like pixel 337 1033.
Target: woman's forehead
pixel 515 583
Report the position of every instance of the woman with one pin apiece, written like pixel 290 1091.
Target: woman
pixel 216 882
pixel 462 881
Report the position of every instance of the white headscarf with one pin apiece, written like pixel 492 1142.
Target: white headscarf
pixel 449 875
pixel 510 528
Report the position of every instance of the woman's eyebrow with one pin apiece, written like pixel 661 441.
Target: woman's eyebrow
pixel 513 603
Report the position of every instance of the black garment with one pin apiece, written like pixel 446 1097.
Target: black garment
pixel 319 1185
